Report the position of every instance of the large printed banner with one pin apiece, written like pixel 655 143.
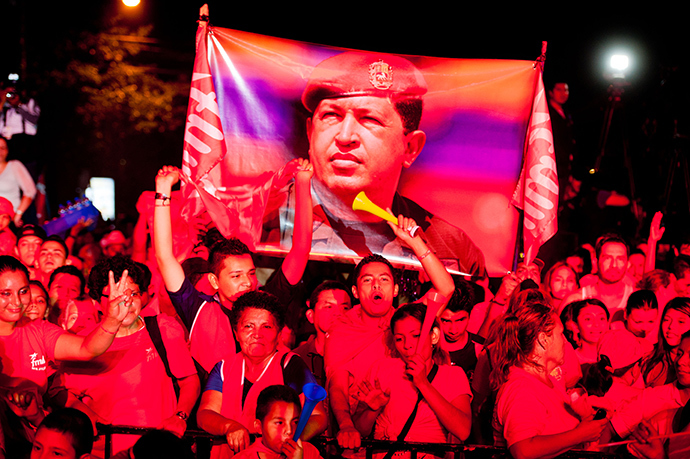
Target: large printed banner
pixel 249 120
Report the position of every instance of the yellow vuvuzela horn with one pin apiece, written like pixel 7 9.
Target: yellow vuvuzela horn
pixel 362 202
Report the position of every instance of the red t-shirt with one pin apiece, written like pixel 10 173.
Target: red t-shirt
pixel 27 355
pixel 127 385
pixel 527 408
pixel 450 381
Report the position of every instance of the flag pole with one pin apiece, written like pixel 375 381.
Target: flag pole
pixel 519 240
pixel 536 192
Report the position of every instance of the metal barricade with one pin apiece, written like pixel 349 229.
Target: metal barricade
pixel 458 451
pixel 203 442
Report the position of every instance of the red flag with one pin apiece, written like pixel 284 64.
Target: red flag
pixel 537 189
pixel 235 208
pixel 204 142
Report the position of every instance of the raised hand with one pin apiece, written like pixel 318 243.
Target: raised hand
pixel 296 168
pixel 508 284
pixel 404 229
pixel 656 231
pixel 81 224
pixel 119 297
pixel 304 169
pixel 373 396
pixel 167 177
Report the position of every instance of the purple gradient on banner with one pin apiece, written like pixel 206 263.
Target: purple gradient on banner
pixel 475 144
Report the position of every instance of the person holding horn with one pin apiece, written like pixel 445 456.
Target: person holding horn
pixel 360 337
pixel 415 395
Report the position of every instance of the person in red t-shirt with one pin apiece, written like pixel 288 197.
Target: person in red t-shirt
pixel 29 349
pixel 278 410
pixel 418 366
pixel 116 387
pixel 358 338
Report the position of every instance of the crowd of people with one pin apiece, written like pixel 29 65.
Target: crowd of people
pixel 590 352
pixel 550 362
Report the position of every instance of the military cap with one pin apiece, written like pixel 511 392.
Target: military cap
pixel 352 74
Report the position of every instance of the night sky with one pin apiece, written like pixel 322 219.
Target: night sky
pixel 577 46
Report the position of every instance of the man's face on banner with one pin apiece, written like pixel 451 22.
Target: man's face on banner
pixel 357 144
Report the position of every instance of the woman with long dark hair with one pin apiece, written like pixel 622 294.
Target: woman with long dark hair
pixel 591 319
pixel 559 282
pixel 417 374
pixel 29 349
pixel 533 417
pixel 658 369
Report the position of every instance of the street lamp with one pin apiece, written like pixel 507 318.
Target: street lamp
pixel 619 66
pixel 619 63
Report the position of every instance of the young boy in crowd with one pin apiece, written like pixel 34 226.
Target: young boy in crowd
pixel 52 254
pixel 211 338
pixel 642 315
pixel 327 303
pixel 66 433
pixel 66 283
pixel 29 240
pixel 462 346
pixel 278 411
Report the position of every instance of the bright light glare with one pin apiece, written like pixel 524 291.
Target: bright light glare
pixel 101 192
pixel 130 3
pixel 619 62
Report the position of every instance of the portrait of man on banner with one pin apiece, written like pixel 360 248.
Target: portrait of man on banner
pixel 364 130
pixel 438 140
